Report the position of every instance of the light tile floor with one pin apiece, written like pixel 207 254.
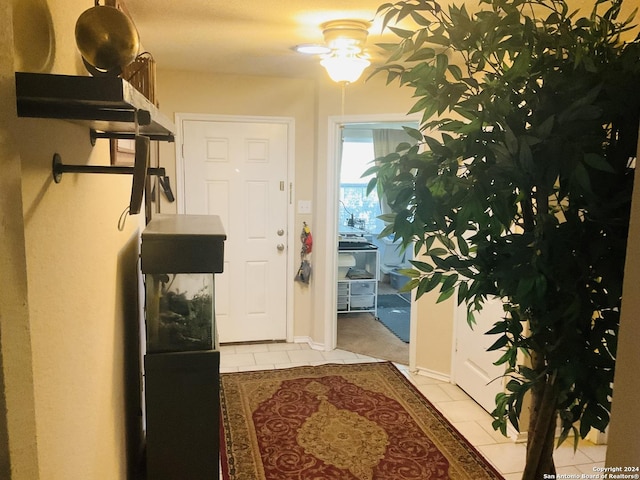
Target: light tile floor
pixel 470 419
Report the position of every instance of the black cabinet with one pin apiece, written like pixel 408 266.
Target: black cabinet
pixel 183 429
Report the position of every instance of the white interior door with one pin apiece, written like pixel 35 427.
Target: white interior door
pixel 474 370
pixel 238 170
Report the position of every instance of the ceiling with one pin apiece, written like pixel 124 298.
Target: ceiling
pixel 246 37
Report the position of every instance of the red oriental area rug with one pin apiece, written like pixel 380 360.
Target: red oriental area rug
pixel 343 422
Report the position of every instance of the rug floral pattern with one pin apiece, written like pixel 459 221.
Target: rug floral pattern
pixel 346 422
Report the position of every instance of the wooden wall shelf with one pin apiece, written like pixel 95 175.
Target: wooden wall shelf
pixel 109 106
pixel 105 104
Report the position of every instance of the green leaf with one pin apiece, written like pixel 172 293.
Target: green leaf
pixel 513 418
pixel 525 285
pixel 445 294
pixel 410 272
pixel 507 358
pixel 411 284
pixel 498 327
pixel 435 146
pixel 413 133
pixel 422 54
pixel 424 104
pixel 427 284
pixel 520 64
pixel 419 19
pixel 581 177
pixel 498 344
pixel 402 32
pixel 439 40
pixel 449 282
pixel 463 246
pixel 598 162
pixel 463 290
pixel 545 128
pixel 442 62
pixel 471 319
pixel 526 157
pixel 422 266
pixel 513 386
pixel 456 72
pixel 511 141
pixel 372 185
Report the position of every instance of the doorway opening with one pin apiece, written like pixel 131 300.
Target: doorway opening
pixel 373 315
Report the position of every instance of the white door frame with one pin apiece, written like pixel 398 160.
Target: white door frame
pixel 291 237
pixel 334 134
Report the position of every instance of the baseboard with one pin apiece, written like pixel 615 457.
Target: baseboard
pixel 432 374
pixel 516 436
pixel 598 438
pixel 309 341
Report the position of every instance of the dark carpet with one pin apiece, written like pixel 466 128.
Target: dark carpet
pixel 394 312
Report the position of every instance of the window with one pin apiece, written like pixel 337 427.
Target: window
pixel 356 208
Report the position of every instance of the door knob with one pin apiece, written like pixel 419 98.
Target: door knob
pixel 280 247
pixel 280 232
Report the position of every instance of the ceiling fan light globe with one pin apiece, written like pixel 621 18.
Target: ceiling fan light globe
pixel 344 68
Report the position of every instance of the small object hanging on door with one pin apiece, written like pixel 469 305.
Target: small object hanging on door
pixel 304 272
pixel 306 239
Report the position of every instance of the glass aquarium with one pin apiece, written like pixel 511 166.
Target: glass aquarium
pixel 179 256
pixel 180 312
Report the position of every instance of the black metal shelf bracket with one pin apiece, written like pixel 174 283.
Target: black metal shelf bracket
pixel 59 168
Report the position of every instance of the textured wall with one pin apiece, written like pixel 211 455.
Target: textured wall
pixel 192 92
pixel 63 352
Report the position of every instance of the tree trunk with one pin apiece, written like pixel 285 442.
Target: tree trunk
pixel 542 427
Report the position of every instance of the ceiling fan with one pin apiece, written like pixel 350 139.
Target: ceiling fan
pixel 343 54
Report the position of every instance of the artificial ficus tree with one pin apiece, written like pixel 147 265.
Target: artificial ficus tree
pixel 519 187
